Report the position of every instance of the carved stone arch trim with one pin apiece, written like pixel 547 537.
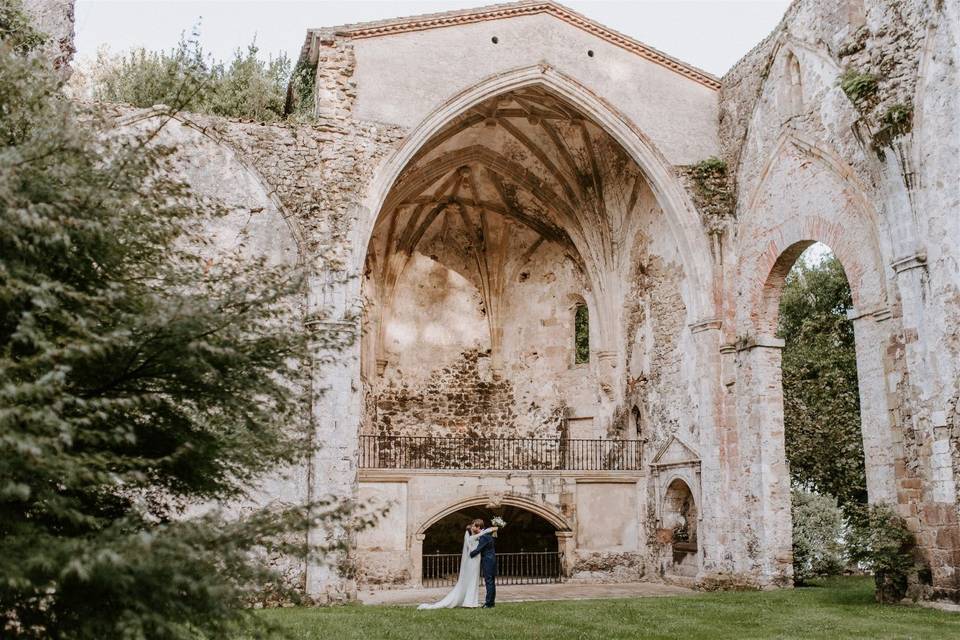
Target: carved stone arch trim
pixel 785 44
pixel 682 217
pixel 538 508
pixel 292 223
pixel 778 247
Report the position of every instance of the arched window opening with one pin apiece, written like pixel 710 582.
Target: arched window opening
pixel 819 377
pixel 581 334
pixel 795 90
pixel 636 425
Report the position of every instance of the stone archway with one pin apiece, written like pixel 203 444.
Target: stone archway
pixel 681 214
pixel 775 232
pixel 547 513
pixel 565 543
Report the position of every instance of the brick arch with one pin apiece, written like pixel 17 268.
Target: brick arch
pixel 538 508
pixel 774 231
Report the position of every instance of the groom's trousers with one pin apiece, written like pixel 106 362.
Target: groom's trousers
pixel 490 581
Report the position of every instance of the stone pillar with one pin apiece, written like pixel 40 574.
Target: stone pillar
pixel 335 414
pixel 928 490
pixel 766 533
pixel 416 559
pixel 567 546
pixel 882 445
pixel 712 494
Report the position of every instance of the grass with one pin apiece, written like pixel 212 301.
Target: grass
pixel 836 608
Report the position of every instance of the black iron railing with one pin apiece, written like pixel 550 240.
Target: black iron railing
pixel 538 567
pixel 432 452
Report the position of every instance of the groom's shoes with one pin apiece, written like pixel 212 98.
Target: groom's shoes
pixel 488 606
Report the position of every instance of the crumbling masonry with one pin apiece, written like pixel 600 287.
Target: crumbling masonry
pixel 472 177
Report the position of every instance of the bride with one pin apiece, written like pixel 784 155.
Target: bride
pixel 465 592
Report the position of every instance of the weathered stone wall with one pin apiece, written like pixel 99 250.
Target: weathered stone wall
pixel 54 18
pixel 680 264
pixel 816 157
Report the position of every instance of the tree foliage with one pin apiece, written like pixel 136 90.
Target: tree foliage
pixel 882 543
pixel 818 535
pixel 135 378
pixel 581 334
pixel 824 443
pixel 187 78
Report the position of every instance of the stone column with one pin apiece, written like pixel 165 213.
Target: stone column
pixel 416 559
pixel 928 489
pixel 335 414
pixel 766 533
pixel 713 513
pixel 882 445
pixel 567 546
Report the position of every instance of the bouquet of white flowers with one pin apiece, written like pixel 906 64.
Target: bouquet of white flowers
pixel 498 522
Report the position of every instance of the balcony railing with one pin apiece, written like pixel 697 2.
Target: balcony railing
pixel 539 567
pixel 492 454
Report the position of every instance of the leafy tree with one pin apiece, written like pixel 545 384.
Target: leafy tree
pixel 188 78
pixel 824 443
pixel 818 534
pixel 882 543
pixel 135 378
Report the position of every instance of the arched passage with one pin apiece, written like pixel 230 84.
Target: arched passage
pixel 776 230
pixel 529 549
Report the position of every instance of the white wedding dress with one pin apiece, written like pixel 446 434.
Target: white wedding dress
pixel 466 592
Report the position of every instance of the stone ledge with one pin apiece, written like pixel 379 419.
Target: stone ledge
pixel 402 475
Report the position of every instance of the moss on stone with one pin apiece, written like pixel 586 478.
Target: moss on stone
pixel 712 191
pixel 896 121
pixel 859 87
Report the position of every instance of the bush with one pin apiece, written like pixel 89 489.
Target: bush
pixel 186 78
pixel 818 533
pixel 882 544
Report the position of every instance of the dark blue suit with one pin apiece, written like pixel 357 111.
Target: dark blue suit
pixel 486 549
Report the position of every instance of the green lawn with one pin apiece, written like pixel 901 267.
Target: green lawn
pixel 839 608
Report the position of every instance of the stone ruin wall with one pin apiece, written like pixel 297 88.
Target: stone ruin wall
pixel 316 174
pixel 891 219
pixel 56 19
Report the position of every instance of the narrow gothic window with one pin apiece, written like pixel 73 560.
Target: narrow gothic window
pixel 581 335
pixel 796 85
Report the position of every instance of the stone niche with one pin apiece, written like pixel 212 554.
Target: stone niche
pixel 675 474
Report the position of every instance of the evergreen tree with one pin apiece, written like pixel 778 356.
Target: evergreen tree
pixel 135 379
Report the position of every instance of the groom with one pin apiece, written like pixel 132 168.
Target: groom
pixel 486 549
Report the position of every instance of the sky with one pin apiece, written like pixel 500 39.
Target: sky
pixel 709 34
